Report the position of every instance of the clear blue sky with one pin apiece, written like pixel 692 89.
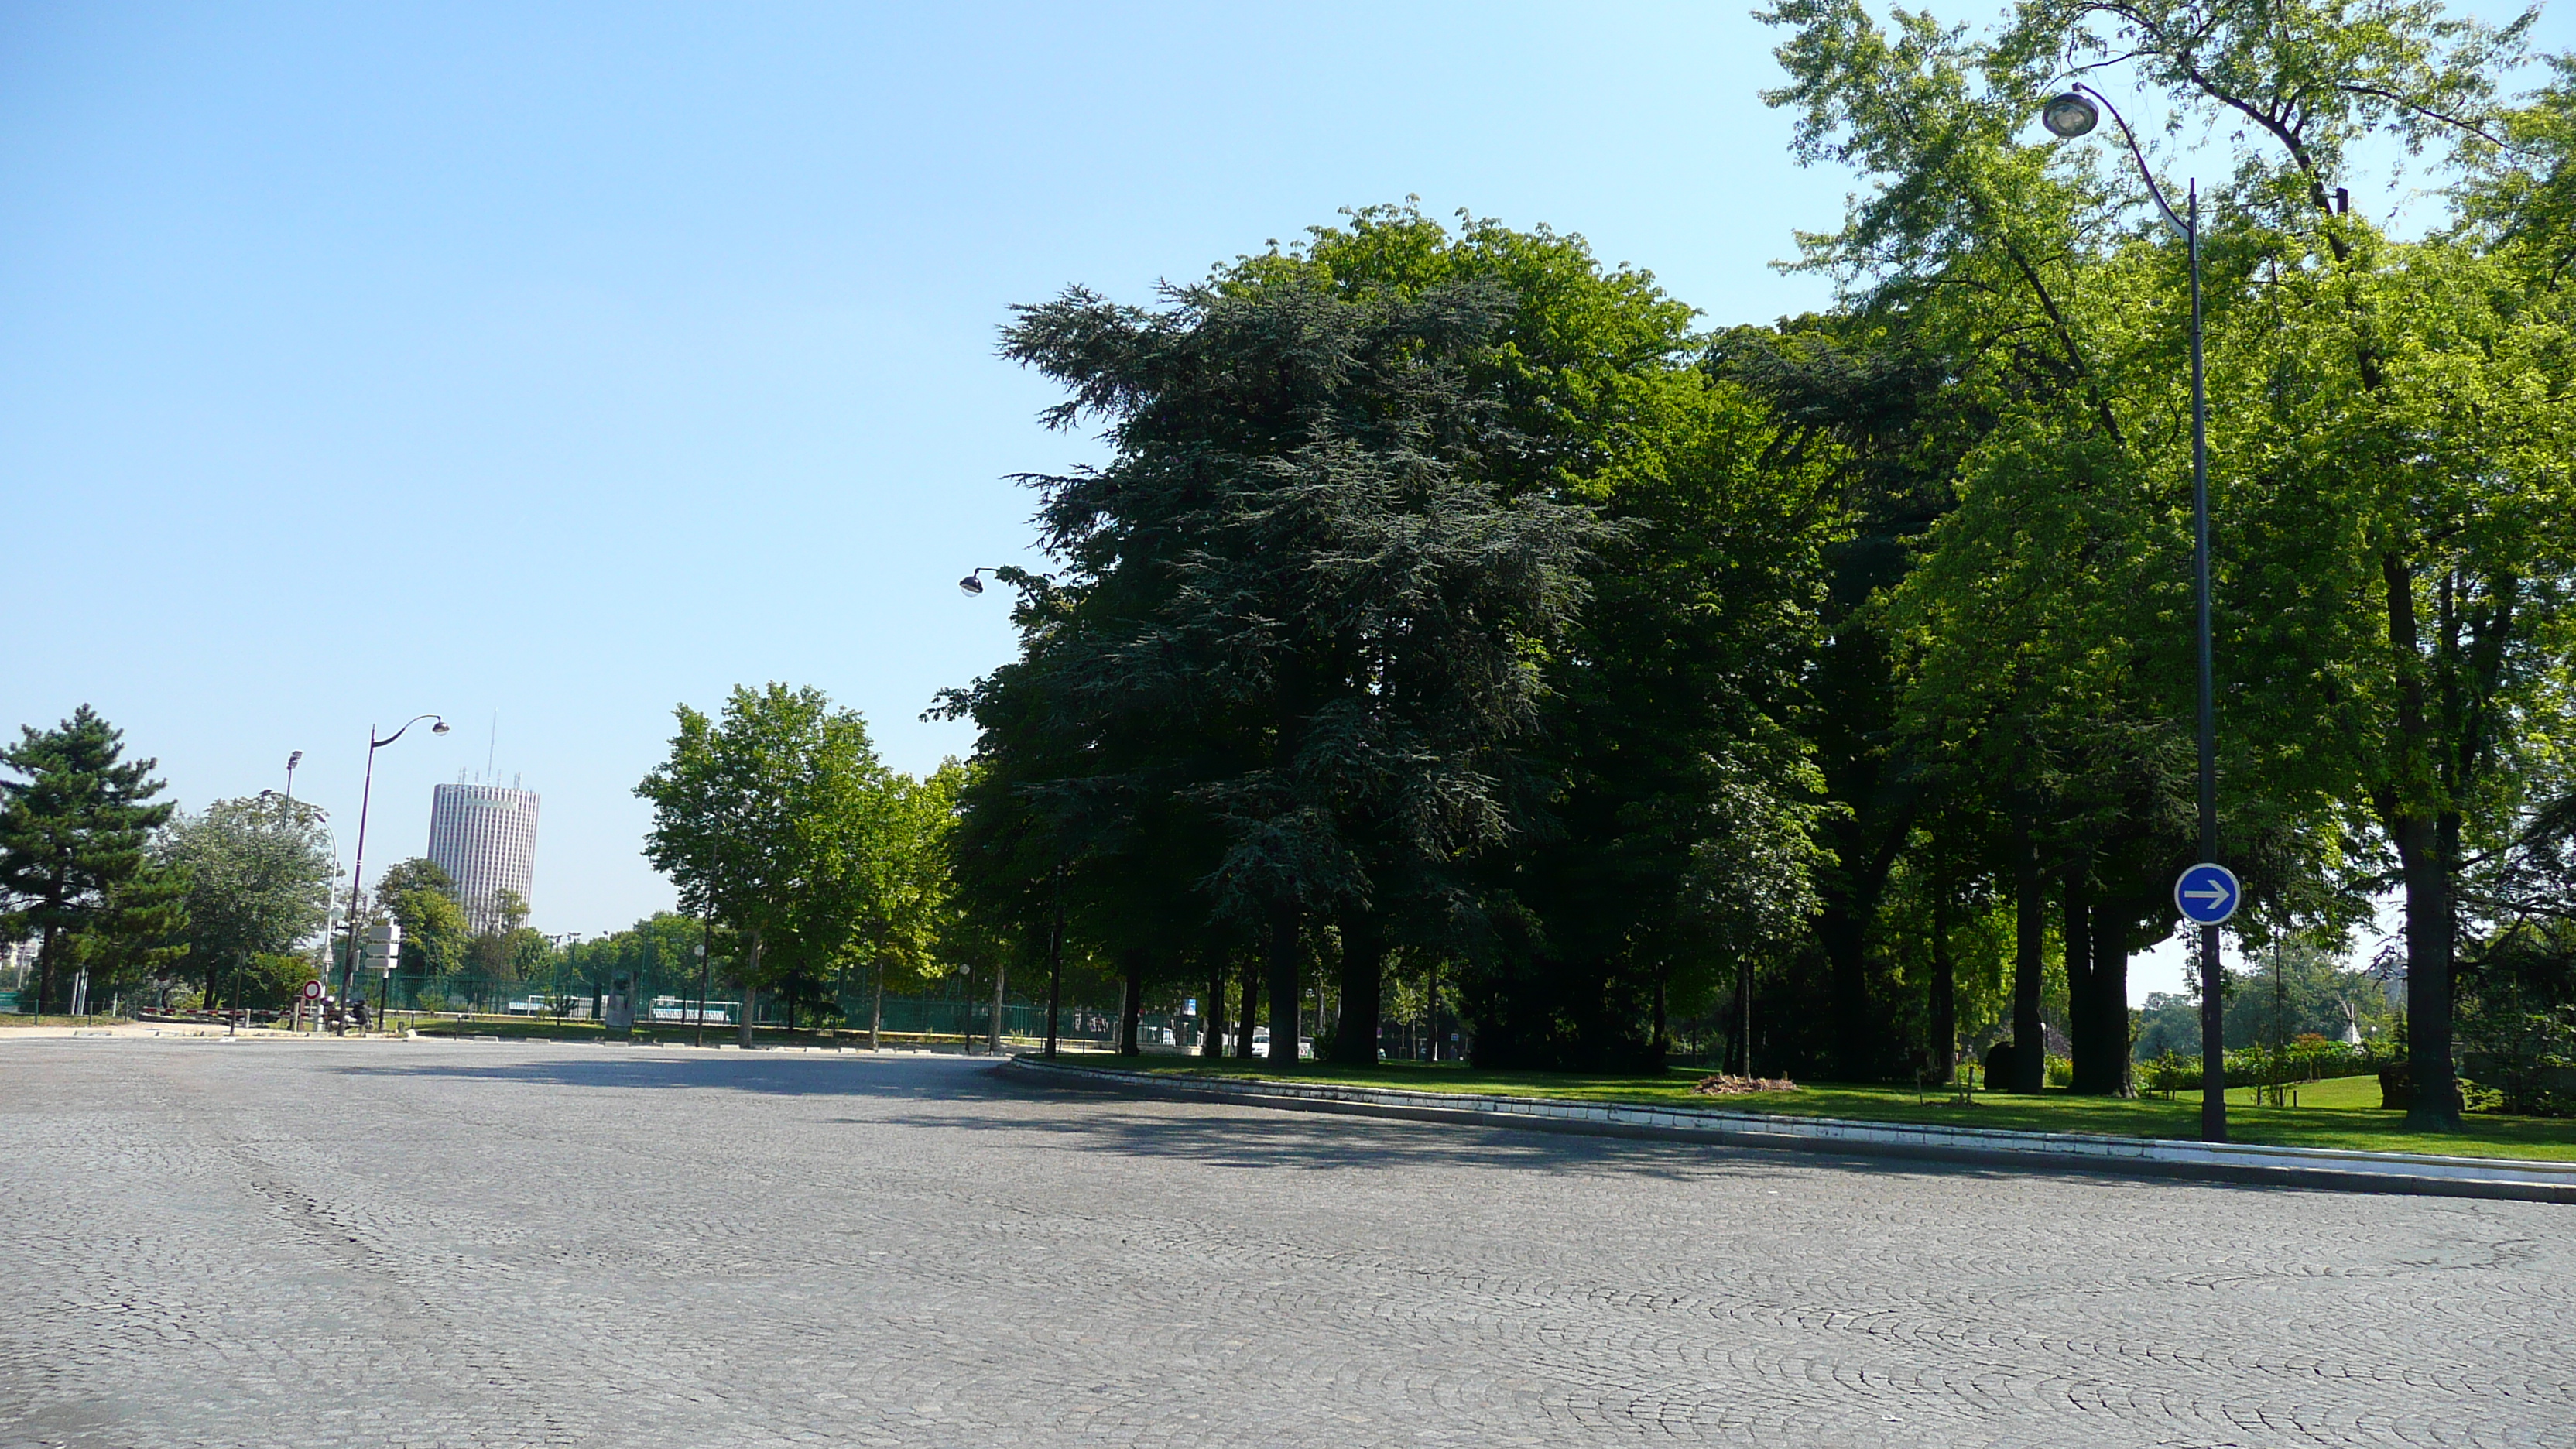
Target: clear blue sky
pixel 571 361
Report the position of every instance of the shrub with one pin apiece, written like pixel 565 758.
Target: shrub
pixel 2173 1072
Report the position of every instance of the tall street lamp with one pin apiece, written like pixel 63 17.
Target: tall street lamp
pixel 358 866
pixel 2207 894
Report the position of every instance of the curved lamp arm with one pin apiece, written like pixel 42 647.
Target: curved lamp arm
pixel 2181 228
pixel 374 744
pixel 1033 586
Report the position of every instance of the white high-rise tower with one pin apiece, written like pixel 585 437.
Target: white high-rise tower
pixel 485 838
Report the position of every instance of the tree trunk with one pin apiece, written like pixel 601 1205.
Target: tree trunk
pixel 1000 970
pixel 1251 1017
pixel 1285 989
pixel 1431 1011
pixel 2083 1019
pixel 750 974
pixel 2111 998
pixel 1853 1048
pixel 876 1016
pixel 2419 838
pixel 2030 926
pixel 1663 1033
pixel 1363 980
pixel 1212 1016
pixel 45 972
pixel 1131 1005
pixel 1745 1014
pixel 2436 1105
pixel 1945 987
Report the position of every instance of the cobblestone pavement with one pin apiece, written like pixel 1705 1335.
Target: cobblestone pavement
pixel 385 1244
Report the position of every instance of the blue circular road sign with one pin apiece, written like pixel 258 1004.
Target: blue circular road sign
pixel 2207 894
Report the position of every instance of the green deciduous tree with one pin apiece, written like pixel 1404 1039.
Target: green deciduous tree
pixel 2388 456
pixel 258 874
pixel 421 898
pixel 762 818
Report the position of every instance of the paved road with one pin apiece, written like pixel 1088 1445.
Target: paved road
pixel 415 1244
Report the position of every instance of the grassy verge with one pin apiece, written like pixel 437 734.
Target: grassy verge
pixel 2341 1113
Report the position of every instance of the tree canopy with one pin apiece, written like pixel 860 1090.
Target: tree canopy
pixel 75 826
pixel 1450 599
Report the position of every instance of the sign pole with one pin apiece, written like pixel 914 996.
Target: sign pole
pixel 2207 894
pixel 2213 978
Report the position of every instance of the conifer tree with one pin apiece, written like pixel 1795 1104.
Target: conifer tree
pixel 73 829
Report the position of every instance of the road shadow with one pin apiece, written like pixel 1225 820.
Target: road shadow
pixel 973 1096
pixel 781 1076
pixel 1231 1134
pixel 1242 1136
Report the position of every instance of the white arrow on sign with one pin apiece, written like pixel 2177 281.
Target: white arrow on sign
pixel 2207 893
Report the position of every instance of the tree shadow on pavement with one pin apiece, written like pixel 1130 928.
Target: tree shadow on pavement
pixel 964 1094
pixel 1229 1135
pixel 786 1076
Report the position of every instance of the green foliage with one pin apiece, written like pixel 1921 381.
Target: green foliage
pixel 903 874
pixel 258 881
pixel 268 981
pixel 2391 423
pixel 2298 989
pixel 74 832
pixel 660 950
pixel 420 898
pixel 778 820
pixel 136 941
pixel 1449 603
pixel 1436 593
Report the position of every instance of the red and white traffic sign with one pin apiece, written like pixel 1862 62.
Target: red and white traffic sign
pixel 313 991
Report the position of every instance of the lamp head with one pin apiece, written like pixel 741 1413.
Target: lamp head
pixel 438 728
pixel 971 584
pixel 2070 115
pixel 295 759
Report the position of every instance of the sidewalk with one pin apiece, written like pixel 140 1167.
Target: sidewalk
pixel 2305 1167
pixel 181 1030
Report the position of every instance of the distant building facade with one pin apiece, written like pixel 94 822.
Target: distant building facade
pixel 485 838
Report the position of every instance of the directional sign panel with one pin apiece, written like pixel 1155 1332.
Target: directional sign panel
pixel 2207 894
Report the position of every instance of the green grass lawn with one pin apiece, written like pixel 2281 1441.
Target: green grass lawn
pixel 2342 1112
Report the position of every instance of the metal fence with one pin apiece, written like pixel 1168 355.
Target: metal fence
pixel 671 999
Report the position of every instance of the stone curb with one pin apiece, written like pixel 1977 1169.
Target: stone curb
pixel 2324 1168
